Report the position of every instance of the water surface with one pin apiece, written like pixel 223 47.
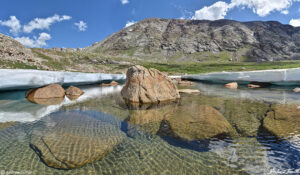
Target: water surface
pixel 219 131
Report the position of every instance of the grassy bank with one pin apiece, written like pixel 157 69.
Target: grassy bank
pixel 195 68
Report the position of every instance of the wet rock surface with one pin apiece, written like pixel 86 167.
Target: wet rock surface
pixel 67 140
pixel 148 86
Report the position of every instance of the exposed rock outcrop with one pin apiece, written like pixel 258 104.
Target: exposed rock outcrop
pixel 12 50
pixel 148 86
pixel 67 140
pixel 50 91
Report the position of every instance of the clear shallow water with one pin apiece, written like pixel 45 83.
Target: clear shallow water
pixel 164 139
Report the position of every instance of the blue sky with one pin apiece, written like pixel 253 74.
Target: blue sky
pixel 79 23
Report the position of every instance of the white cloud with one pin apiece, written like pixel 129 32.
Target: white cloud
pixel 295 22
pixel 13 23
pixel 124 2
pixel 264 7
pixel 216 11
pixel 82 26
pixel 36 42
pixel 44 23
pixel 285 12
pixel 129 23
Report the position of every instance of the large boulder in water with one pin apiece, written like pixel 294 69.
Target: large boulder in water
pixel 148 86
pixel 50 91
pixel 67 140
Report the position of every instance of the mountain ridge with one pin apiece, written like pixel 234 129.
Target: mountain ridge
pixel 166 38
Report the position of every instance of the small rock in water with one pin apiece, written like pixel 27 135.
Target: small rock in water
pixel 233 85
pixel 185 83
pixel 113 83
pixel 74 91
pixel 259 85
pixel 189 91
pixel 296 89
pixel 253 86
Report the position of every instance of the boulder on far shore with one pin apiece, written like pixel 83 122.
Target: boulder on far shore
pixel 233 85
pixel 50 91
pixel 185 83
pixel 148 86
pixel 259 85
pixel 296 89
pixel 113 83
pixel 189 91
pixel 74 91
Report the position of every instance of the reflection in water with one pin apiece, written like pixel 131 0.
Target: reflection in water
pixel 177 138
pixel 21 110
pixel 46 102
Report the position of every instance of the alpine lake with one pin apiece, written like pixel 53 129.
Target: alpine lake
pixel 218 131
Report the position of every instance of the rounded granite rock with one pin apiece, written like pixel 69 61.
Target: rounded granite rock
pixel 148 86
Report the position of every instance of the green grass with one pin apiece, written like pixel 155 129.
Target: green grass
pixel 195 68
pixel 50 62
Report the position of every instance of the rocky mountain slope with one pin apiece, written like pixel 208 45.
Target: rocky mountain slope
pixel 201 40
pixel 11 49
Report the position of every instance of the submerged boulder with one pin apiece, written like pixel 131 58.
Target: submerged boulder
pixel 6 125
pixel 149 120
pixel 203 122
pixel 245 115
pixel 284 121
pixel 148 86
pixel 50 91
pixel 74 91
pixel 67 140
